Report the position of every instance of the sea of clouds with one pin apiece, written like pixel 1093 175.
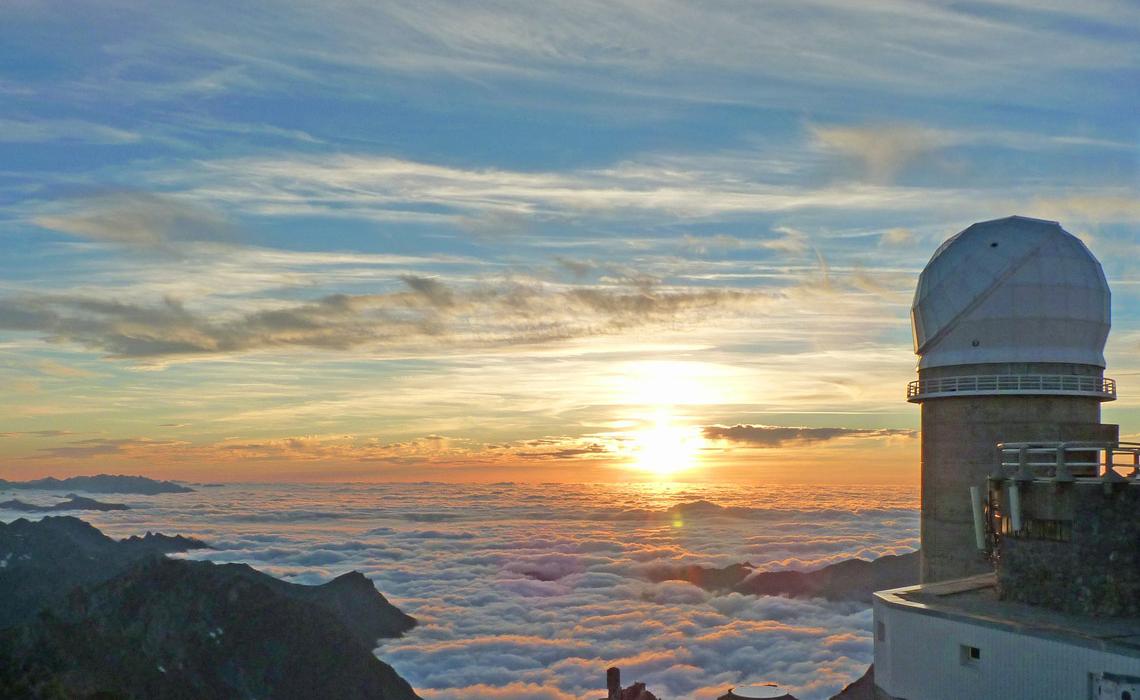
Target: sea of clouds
pixel 527 591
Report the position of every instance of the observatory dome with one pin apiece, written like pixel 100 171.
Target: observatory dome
pixel 1011 290
pixel 761 691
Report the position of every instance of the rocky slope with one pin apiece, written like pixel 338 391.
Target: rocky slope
pixel 162 544
pixel 862 689
pixel 89 616
pixel 41 562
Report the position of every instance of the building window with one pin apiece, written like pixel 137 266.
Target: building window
pixel 1040 529
pixel 970 656
pixel 881 631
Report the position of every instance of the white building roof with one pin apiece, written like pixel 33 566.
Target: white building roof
pixel 956 639
pixel 1011 290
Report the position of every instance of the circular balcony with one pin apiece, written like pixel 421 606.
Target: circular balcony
pixel 1012 385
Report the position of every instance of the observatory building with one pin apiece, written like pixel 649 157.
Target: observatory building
pixel 1030 521
pixel 1010 320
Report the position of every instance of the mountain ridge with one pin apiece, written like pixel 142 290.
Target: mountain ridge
pixel 99 483
pixel 73 502
pixel 98 617
pixel 850 579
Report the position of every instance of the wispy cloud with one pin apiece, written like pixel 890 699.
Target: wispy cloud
pixel 350 455
pixel 104 447
pixel 139 219
pixel 1095 206
pixel 882 150
pixel 897 237
pixel 381 188
pixel 275 210
pixel 673 49
pixel 779 436
pixel 65 130
pixel 39 433
pixel 506 312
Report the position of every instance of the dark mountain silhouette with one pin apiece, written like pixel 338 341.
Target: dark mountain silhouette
pixel 89 616
pixel 73 502
pixel 163 544
pixel 862 689
pixel 41 562
pixel 100 483
pixel 853 579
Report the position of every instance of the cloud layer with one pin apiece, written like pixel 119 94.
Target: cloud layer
pixel 524 587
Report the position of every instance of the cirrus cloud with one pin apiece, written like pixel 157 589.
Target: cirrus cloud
pixel 427 311
pixel 778 436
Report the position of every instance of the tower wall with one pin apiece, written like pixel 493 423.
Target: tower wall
pixel 1094 569
pixel 959 435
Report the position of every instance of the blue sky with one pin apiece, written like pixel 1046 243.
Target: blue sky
pixel 486 240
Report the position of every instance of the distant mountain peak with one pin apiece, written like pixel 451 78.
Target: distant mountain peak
pixel 100 483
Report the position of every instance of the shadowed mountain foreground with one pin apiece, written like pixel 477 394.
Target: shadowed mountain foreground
pixel 89 616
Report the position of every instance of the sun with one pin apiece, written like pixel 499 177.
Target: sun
pixel 665 449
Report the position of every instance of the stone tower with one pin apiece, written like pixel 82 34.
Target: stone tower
pixel 1010 319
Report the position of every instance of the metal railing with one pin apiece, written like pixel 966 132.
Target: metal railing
pixel 1026 384
pixel 1061 462
pixel 1020 464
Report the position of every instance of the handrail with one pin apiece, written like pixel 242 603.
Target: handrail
pixel 1025 384
pixel 1055 461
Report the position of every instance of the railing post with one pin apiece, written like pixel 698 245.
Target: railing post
pixel 1110 479
pixel 998 474
pixel 1062 474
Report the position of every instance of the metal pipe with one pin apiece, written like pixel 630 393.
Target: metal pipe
pixel 979 518
pixel 1014 507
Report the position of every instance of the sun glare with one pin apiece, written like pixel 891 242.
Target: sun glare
pixel 671 383
pixel 663 444
pixel 664 449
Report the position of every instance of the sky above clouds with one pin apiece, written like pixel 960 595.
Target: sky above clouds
pixel 511 240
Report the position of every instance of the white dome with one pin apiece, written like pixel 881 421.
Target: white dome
pixel 1011 290
pixel 764 691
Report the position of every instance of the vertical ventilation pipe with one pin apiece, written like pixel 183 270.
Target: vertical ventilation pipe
pixel 979 518
pixel 1014 506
